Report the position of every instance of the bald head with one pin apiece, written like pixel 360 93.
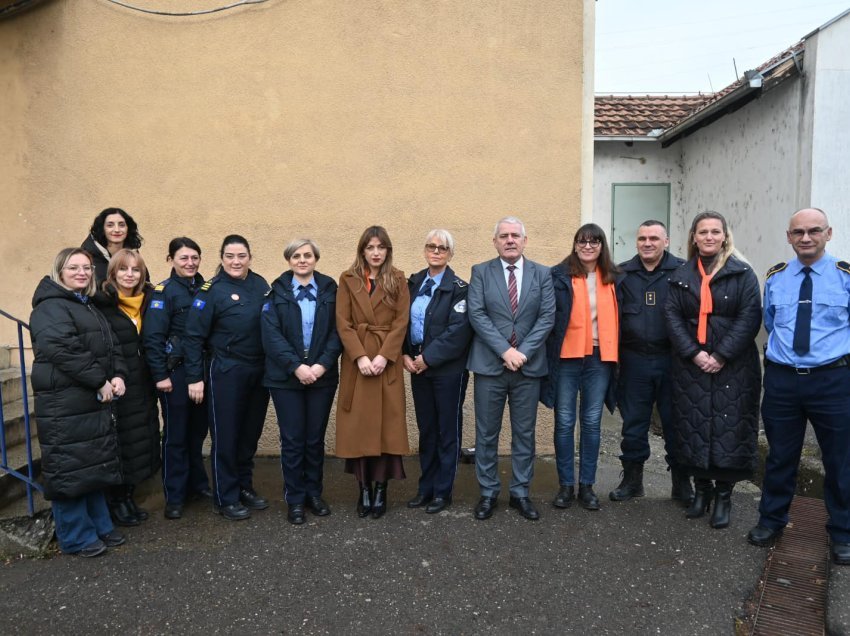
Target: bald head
pixel 808 233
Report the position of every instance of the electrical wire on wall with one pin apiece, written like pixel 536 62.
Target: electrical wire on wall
pixel 233 5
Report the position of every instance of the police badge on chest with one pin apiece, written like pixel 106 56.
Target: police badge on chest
pixel 650 298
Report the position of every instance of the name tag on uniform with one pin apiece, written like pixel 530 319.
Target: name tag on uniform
pixel 650 298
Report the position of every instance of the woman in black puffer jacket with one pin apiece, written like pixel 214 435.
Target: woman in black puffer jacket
pixel 713 316
pixel 124 298
pixel 77 371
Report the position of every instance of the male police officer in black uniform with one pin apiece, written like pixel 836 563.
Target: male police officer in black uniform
pixel 645 360
pixel 807 378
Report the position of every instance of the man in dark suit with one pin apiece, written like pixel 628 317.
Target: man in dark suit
pixel 512 310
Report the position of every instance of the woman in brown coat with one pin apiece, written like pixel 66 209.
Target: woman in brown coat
pixel 372 310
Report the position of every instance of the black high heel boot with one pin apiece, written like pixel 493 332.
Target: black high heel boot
pixel 379 505
pixel 141 513
pixel 722 504
pixel 364 501
pixel 702 499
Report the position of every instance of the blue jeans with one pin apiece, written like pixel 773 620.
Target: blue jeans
pixel 81 521
pixel 587 377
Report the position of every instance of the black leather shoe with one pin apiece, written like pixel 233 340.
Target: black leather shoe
pixel 419 500
pixel 379 505
pixel 565 496
pixel 763 537
pixel 233 512
pixel 438 504
pixel 295 516
pixel 364 501
pixel 486 507
pixel 173 511
pixel 722 505
pixel 840 553
pixel 588 498
pixel 252 500
pixel 203 495
pixel 121 513
pixel 93 549
pixel 113 539
pixel 682 489
pixel 631 484
pixel 317 506
pixel 524 507
pixel 141 513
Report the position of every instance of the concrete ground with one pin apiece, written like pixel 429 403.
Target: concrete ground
pixel 637 567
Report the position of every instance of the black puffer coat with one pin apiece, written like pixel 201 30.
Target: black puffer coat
pixel 76 352
pixel 136 411
pixel 716 415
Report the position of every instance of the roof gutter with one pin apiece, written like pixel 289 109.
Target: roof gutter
pixel 757 83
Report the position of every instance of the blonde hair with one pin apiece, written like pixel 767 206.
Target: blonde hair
pixel 61 261
pixel 120 259
pixel 727 249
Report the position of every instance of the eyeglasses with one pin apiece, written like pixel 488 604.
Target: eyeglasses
pixel 76 268
pixel 814 232
pixel 588 242
pixel 433 247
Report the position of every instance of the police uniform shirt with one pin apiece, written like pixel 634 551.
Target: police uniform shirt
pixel 308 308
pixel 420 307
pixel 830 329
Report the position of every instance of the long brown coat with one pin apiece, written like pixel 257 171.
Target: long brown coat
pixel 370 416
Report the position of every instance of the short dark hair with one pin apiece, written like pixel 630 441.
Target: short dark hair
pixel 234 239
pixel 133 240
pixel 179 243
pixel 651 222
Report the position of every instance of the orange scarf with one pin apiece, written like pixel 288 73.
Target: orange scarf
pixel 131 306
pixel 578 340
pixel 706 304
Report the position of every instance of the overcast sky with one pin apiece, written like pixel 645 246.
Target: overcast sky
pixel 687 46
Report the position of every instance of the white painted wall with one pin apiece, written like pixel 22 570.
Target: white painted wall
pixel 830 178
pixel 615 162
pixel 745 166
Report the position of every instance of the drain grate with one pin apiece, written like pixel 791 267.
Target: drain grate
pixel 793 597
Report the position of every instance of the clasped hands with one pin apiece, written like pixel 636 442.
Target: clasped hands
pixel 375 366
pixel 111 389
pixel 707 363
pixel 513 359
pixel 309 374
pixel 415 365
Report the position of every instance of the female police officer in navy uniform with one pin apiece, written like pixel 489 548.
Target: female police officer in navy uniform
pixel 224 321
pixel 163 331
pixel 302 349
pixel 435 353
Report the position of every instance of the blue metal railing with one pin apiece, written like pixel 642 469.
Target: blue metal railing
pixel 29 478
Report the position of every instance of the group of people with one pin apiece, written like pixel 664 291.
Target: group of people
pixel 655 331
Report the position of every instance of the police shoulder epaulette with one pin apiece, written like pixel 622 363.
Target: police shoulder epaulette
pixel 844 266
pixel 269 292
pixel 158 289
pixel 461 283
pixel 208 284
pixel 775 269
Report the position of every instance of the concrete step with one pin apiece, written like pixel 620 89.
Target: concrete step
pixel 10 384
pixel 13 489
pixel 5 357
pixel 13 422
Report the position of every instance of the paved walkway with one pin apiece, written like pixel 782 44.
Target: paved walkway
pixel 638 567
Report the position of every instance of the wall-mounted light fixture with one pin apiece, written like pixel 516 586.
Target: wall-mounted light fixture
pixel 641 159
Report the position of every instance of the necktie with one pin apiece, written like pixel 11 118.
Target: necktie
pixel 512 294
pixel 304 292
pixel 803 326
pixel 426 291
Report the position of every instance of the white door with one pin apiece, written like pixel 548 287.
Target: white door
pixel 632 204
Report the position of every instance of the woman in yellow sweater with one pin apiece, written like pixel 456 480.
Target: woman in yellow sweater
pixel 123 300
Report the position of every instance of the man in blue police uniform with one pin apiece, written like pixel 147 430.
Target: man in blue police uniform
pixel 807 378
pixel 645 360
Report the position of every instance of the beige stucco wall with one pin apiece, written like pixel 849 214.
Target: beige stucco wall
pixel 289 118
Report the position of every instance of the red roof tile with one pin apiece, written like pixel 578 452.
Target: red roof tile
pixel 638 115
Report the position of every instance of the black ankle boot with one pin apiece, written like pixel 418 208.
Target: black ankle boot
pixel 587 498
pixel 141 513
pixel 364 501
pixel 119 508
pixel 722 504
pixel 632 483
pixel 702 499
pixel 682 489
pixel 379 506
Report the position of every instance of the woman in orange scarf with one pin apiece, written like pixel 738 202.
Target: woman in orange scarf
pixel 713 316
pixel 582 352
